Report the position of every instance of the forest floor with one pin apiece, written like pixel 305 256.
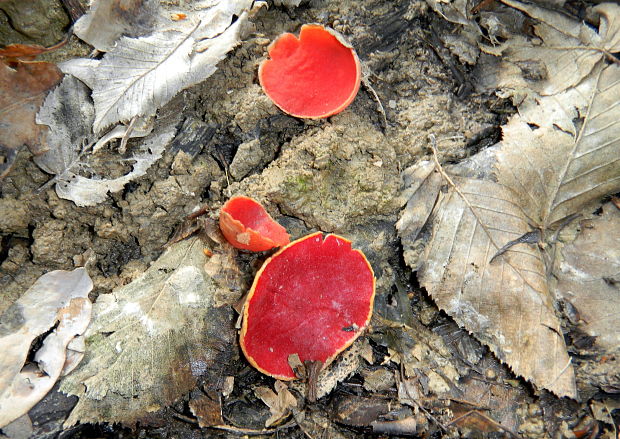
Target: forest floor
pixel 415 371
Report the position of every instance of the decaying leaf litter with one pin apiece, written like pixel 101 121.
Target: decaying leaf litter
pixel 233 141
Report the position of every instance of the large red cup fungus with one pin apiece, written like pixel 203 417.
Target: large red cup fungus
pixel 315 76
pixel 312 298
pixel 247 225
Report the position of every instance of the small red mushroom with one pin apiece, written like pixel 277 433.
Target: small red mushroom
pixel 315 76
pixel 312 298
pixel 247 225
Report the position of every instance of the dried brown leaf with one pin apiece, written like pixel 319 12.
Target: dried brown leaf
pixel 207 410
pixel 23 87
pixel 491 396
pixel 280 402
pixel 25 52
pixel 359 411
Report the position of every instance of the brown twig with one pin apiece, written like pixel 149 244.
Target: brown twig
pixel 419 406
pixel 184 418
pixel 251 431
pixel 473 404
pixel 380 107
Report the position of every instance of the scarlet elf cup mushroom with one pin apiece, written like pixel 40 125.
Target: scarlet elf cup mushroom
pixel 312 298
pixel 314 76
pixel 246 225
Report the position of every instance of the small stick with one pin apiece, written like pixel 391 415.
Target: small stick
pixel 426 412
pixel 252 432
pixel 374 94
pixel 184 418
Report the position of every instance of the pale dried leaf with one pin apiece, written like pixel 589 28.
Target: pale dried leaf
pixel 58 296
pixel 85 191
pixel 505 304
pixel 541 175
pixel 150 340
pixel 555 174
pixel 69 114
pixel 141 75
pixel 280 402
pixel 422 186
pixel 567 52
pixel 21 428
pixel 588 276
pixel 107 20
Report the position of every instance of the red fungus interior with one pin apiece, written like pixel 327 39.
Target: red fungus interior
pixel 254 216
pixel 313 298
pixel 313 76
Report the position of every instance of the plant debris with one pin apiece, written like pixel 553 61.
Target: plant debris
pixel 57 298
pixel 150 341
pixel 23 88
pixel 536 178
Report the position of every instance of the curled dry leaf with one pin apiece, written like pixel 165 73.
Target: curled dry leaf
pixel 56 297
pixel 151 340
pixel 23 87
pixel 69 113
pixel 23 52
pixel 280 402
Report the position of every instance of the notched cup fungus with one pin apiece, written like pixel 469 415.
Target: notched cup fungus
pixel 315 76
pixel 312 298
pixel 246 225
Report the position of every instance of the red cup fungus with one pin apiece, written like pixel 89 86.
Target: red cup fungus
pixel 312 298
pixel 246 225
pixel 315 76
